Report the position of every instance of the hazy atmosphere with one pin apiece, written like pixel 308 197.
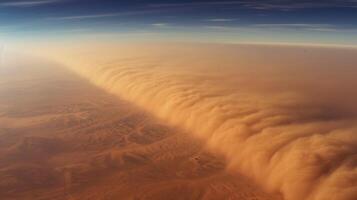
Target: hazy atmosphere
pixel 178 100
pixel 265 21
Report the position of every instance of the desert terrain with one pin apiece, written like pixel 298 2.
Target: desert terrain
pixel 62 138
pixel 283 116
pixel 178 121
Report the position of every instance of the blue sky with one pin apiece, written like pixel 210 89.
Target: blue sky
pixel 269 21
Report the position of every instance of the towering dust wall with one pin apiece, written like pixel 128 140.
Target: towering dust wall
pixel 284 116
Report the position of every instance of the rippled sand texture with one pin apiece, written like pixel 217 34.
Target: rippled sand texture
pixel 63 138
pixel 283 116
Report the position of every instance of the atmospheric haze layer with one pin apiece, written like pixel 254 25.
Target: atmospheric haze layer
pixel 282 116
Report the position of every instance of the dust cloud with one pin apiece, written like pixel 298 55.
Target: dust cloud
pixel 284 116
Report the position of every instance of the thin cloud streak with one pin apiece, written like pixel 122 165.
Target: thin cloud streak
pixel 214 3
pixel 327 28
pixel 293 25
pixel 307 27
pixel 286 5
pixel 104 15
pixel 160 24
pixel 220 20
pixel 28 3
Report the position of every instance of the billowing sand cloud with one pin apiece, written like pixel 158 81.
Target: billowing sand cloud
pixel 283 116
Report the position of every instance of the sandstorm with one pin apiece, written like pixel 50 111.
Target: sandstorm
pixel 283 116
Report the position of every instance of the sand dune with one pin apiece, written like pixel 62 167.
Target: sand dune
pixel 283 116
pixel 64 138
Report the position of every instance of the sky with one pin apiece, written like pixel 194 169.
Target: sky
pixel 329 22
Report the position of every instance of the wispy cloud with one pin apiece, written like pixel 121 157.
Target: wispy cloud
pixel 328 28
pixel 287 5
pixel 28 3
pixel 220 20
pixel 160 24
pixel 222 28
pixel 284 5
pixel 209 3
pixel 293 25
pixel 308 27
pixel 75 17
pixel 104 15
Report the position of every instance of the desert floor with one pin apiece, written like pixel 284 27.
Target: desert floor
pixel 63 138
